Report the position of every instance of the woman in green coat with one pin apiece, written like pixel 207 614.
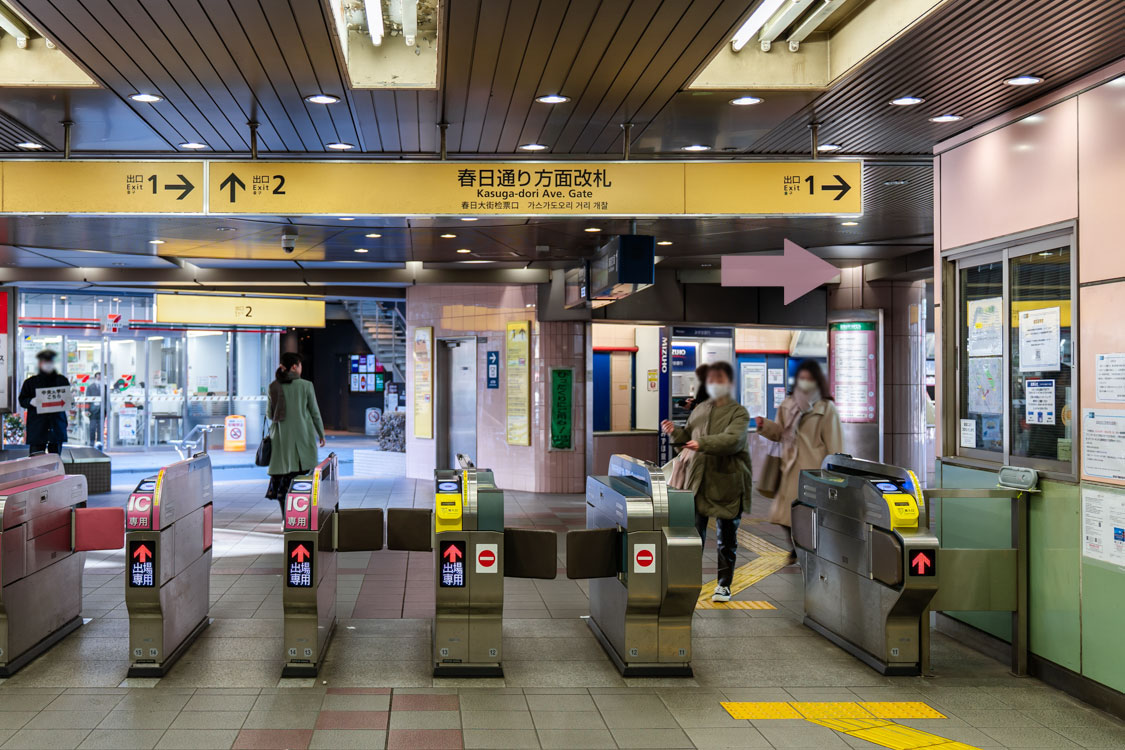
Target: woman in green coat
pixel 295 427
pixel 718 469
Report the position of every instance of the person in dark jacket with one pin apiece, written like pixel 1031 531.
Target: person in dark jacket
pixel 700 389
pixel 46 433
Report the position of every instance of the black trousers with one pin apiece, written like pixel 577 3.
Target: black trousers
pixel 726 538
pixel 34 448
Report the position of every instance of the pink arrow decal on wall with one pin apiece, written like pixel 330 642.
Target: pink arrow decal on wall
pixel 798 270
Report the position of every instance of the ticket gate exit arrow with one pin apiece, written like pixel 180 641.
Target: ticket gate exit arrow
pixel 142 553
pixel 920 562
pixel 300 553
pixel 797 270
pixel 452 553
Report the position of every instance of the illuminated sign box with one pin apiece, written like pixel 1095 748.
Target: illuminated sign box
pixel 221 310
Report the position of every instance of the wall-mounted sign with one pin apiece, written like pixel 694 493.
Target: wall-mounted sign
pixel 422 352
pixel 1103 525
pixel 562 408
pixel 1103 443
pixel 517 352
pixel 201 309
pixel 683 356
pixel 1039 340
pixel 1109 378
pixel 492 361
pixel 752 377
pixel 853 370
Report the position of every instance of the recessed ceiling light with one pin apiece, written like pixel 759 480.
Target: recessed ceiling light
pixel 664 242
pixel 468 218
pixel 829 147
pixel 907 101
pixel 145 98
pixel 745 101
pixel 891 183
pixel 705 265
pixel 193 145
pixel 849 223
pixel 225 229
pixel 361 249
pixel 340 146
pixel 156 242
pixel 322 99
pixel 1023 80
pixel 30 145
pixel 695 147
pixel 533 147
pixel 947 118
pixel 552 99
pixel 464 250
pixel 592 229
pixel 478 260
pixel 116 299
pixel 448 236
pixel 62 296
pixel 346 218
pixel 373 236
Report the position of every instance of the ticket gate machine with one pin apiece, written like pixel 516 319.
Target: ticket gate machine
pixel 315 529
pixel 45 527
pixel 645 561
pixel 473 553
pixel 869 559
pixel 168 532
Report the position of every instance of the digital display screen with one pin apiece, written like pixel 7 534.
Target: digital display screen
pixel 142 564
pixel 452 557
pixel 299 570
pixel 886 487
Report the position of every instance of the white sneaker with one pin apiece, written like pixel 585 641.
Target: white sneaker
pixel 722 594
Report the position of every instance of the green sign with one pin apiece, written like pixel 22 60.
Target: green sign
pixel 856 326
pixel 562 409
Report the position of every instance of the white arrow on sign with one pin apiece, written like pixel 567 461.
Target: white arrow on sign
pixel 798 270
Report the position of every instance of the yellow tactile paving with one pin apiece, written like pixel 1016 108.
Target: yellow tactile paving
pixel 898 737
pixel 708 604
pixel 761 711
pixel 770 560
pixel 843 710
pixel 901 710
pixel 851 725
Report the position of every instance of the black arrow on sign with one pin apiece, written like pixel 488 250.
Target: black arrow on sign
pixel 233 183
pixel 843 187
pixel 184 187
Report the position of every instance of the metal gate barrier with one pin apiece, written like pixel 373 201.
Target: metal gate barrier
pixel 315 529
pixel 168 532
pixel 44 529
pixel 645 559
pixel 474 552
pixel 873 568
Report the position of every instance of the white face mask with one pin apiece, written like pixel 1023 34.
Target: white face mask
pixel 718 390
pixel 47 367
pixel 806 385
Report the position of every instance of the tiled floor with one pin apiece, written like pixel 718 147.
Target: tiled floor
pixel 559 691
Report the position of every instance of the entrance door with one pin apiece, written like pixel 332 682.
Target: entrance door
pixel 457 401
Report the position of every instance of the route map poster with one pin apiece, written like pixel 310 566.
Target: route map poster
pixel 517 349
pixel 986 388
pixel 985 335
pixel 423 354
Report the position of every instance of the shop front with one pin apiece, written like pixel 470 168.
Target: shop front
pixel 140 383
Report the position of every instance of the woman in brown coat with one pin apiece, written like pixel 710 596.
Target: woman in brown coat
pixel 808 428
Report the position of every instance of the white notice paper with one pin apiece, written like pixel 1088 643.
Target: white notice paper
pixel 968 433
pixel 776 376
pixel 1109 378
pixel 1040 401
pixel 1039 340
pixel 985 336
pixel 754 388
pixel 52 400
pixel 1103 443
pixel 1103 525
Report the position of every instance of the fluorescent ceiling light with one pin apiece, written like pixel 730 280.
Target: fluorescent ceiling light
pixel 361 249
pixel 813 21
pixel 156 242
pixel 664 242
pixel 745 101
pixel 464 250
pixel 849 223
pixel 907 101
pixel 468 218
pixel 145 98
pixel 193 145
pixel 408 10
pixel 346 218
pixel 475 261
pixel 695 147
pixel 1023 81
pixel 782 21
pixel 340 146
pixel 374 11
pixel 448 236
pixel 755 23
pixel 829 147
pixel 592 229
pixel 552 99
pixel 373 235
pixel 30 145
pixel 946 118
pixel 533 147
pixel 322 99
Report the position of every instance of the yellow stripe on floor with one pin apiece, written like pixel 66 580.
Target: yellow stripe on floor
pixel 851 725
pixel 708 604
pixel 844 710
pixel 761 711
pixel 771 559
pixel 901 710
pixel 899 737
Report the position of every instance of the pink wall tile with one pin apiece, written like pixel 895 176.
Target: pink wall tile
pixel 1101 166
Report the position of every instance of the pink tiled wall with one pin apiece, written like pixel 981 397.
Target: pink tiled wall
pixel 459 310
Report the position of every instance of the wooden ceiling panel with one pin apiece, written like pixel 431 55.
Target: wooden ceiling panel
pixel 514 48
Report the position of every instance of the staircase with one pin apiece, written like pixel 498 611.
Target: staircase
pixel 384 329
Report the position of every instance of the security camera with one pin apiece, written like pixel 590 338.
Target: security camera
pixel 289 239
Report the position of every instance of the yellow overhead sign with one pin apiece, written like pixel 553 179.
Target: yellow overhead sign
pixel 102 187
pixel 202 309
pixel 637 188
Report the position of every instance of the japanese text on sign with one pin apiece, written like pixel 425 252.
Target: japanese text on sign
pixel 452 559
pixel 142 564
pixel 299 573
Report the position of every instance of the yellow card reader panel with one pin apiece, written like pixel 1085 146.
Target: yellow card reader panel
pixel 449 503
pixel 903 510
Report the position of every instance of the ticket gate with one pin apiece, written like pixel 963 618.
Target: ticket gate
pixel 45 527
pixel 315 529
pixel 645 561
pixel 473 553
pixel 168 532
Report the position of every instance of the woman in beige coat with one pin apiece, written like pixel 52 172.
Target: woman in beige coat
pixel 808 428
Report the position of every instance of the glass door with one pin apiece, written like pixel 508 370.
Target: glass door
pixel 208 379
pixel 127 399
pixel 165 381
pixel 82 365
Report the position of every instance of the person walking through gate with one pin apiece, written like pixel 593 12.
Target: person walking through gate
pixel 46 433
pixel 718 469
pixel 295 427
pixel 808 428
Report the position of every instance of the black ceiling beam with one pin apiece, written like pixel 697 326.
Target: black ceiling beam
pixel 251 277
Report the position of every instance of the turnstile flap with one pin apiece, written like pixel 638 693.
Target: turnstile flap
pixel 98 528
pixel 530 553
pixel 359 529
pixel 409 529
pixel 593 553
pixel 804 526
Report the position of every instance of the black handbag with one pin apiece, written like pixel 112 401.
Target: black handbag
pixel 265 449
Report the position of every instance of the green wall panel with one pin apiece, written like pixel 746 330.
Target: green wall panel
pixel 1103 615
pixel 1055 532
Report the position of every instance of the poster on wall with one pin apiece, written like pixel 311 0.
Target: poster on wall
pixel 853 370
pixel 984 320
pixel 753 380
pixel 968 433
pixel 517 350
pixel 423 353
pixel 1109 378
pixel 1103 525
pixel 1040 401
pixel 562 409
pixel 986 385
pixel 1039 340
pixel 1103 443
